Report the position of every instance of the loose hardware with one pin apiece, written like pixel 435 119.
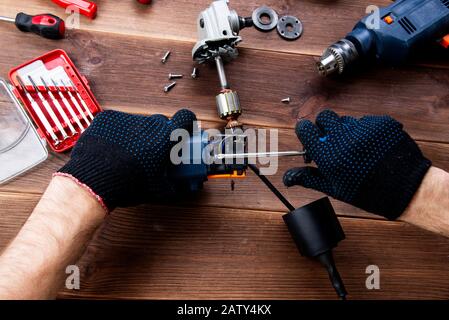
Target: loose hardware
pixel 289 27
pixel 265 18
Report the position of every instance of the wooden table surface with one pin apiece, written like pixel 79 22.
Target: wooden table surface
pixel 233 244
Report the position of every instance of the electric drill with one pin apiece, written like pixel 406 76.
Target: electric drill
pixel 390 36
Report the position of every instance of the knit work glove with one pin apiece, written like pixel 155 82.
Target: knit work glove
pixel 122 158
pixel 371 163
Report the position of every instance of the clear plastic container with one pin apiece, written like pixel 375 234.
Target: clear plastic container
pixel 21 147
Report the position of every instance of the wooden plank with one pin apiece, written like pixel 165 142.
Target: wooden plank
pixel 324 22
pixel 126 72
pixel 218 192
pixel 212 253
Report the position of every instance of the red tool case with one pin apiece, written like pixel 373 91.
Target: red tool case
pixel 55 114
pixel 87 8
pixel 52 60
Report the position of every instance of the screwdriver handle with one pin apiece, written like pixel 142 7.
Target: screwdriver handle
pixel 46 25
pixel 86 8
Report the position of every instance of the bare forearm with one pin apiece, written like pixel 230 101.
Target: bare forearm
pixel 429 208
pixel 55 236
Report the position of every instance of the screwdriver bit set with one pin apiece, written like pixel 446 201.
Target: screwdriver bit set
pixel 46 102
pixel 57 98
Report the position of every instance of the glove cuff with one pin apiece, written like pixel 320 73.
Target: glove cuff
pixel 394 182
pixel 86 187
pixel 107 170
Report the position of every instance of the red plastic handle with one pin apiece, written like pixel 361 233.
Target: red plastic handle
pixel 87 8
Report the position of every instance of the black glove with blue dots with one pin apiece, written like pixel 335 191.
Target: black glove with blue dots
pixel 371 162
pixel 123 158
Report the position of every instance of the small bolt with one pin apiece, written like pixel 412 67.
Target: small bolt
pixel 286 100
pixel 174 76
pixel 165 57
pixel 170 86
pixel 194 74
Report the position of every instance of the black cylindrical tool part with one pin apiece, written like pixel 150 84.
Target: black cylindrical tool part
pixel 314 228
pixel 316 231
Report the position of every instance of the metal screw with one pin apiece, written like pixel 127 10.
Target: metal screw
pixel 170 86
pixel 174 76
pixel 194 73
pixel 165 57
pixel 286 100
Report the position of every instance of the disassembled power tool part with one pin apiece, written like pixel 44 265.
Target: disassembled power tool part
pixel 218 36
pixel 290 27
pixel 265 18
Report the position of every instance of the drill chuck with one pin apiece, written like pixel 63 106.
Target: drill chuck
pixel 390 35
pixel 337 57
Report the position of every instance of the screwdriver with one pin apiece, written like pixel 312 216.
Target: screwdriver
pixel 39 113
pixel 222 156
pixel 68 106
pixel 91 116
pixel 45 25
pixel 50 111
pixel 58 107
pixel 75 103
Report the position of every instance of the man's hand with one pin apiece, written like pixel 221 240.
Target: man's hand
pixel 371 163
pixel 55 235
pixel 122 158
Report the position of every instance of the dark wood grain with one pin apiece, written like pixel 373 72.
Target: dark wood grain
pixel 211 253
pixel 233 244
pixel 125 72
pixel 324 21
